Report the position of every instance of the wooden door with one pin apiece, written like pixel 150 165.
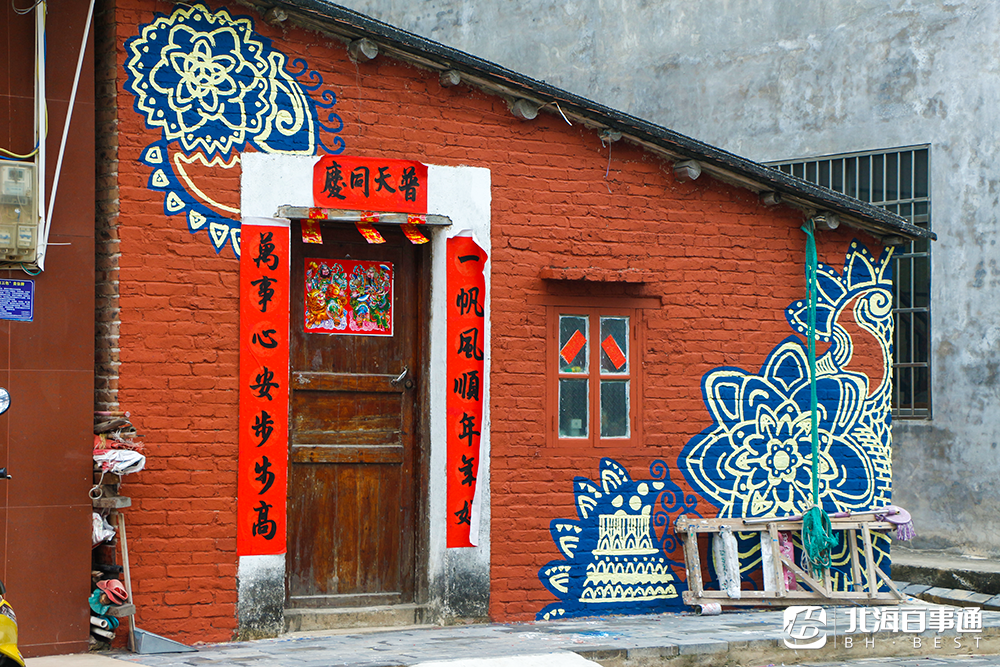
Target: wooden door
pixel 354 434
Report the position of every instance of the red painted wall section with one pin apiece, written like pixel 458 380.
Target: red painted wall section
pixel 179 311
pixel 47 364
pixel 723 266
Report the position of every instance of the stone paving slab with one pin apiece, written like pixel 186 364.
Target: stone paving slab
pixel 613 641
pixel 959 661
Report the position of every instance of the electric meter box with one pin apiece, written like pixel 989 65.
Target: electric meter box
pixel 17 180
pixel 18 212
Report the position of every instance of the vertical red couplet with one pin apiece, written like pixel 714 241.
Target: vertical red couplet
pixel 263 420
pixel 466 381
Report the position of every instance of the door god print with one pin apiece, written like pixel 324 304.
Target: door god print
pixel 348 297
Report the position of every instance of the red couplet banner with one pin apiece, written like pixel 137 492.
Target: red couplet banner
pixel 370 184
pixel 466 342
pixel 263 421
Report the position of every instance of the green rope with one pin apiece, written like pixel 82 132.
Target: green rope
pixel 817 539
pixel 811 264
pixel 817 536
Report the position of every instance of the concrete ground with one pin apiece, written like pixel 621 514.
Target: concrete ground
pixel 76 660
pixel 732 638
pixel 939 569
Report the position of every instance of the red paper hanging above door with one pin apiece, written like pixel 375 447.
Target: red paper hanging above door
pixel 370 184
pixel 466 297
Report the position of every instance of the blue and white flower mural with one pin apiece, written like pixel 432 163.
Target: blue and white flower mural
pixel 755 460
pixel 213 87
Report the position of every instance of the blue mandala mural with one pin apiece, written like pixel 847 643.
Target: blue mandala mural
pixel 619 554
pixel 756 459
pixel 213 87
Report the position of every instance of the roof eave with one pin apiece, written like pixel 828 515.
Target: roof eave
pixel 347 25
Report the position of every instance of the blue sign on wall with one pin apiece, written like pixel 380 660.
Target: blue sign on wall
pixel 17 299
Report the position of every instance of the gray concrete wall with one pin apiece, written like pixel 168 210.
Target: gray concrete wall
pixel 777 79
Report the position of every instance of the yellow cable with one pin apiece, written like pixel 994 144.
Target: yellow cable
pixel 13 154
pixel 46 106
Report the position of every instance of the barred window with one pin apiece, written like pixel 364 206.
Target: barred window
pixel 898 180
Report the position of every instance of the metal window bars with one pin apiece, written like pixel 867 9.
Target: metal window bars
pixel 898 180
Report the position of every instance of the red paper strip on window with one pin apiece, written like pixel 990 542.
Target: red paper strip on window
pixel 573 347
pixel 615 354
pixel 311 232
pixel 317 214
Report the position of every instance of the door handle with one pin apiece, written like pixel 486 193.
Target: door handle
pixel 406 369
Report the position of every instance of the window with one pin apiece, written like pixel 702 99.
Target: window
pixel 898 180
pixel 593 376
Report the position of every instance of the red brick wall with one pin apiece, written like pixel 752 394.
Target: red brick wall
pixel 178 313
pixel 725 267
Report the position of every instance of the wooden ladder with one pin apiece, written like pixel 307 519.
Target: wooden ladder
pixel 866 591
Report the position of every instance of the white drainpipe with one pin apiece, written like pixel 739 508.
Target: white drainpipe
pixel 43 241
pixel 41 119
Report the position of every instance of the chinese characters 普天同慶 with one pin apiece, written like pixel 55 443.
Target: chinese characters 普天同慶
pixel 370 184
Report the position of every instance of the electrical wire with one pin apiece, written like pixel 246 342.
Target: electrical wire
pixel 18 10
pixel 47 219
pixel 7 154
pixel 15 156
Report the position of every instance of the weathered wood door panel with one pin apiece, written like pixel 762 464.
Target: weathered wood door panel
pixel 354 439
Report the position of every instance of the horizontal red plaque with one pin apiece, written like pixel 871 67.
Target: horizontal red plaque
pixel 370 184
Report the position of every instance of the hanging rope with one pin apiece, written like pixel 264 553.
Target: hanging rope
pixel 817 536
